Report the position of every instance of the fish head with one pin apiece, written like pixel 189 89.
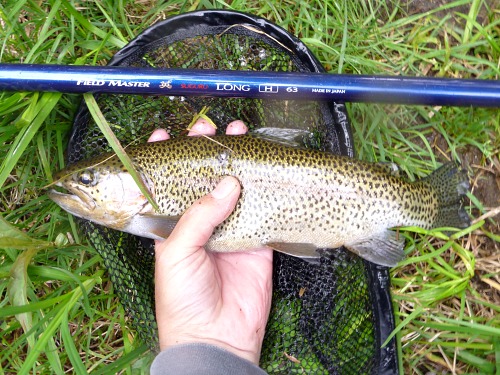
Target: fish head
pixel 104 193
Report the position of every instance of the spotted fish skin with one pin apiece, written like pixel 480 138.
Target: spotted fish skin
pixel 293 199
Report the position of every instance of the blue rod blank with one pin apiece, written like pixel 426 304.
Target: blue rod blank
pixel 250 84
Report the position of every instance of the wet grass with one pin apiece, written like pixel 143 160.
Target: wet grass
pixel 58 312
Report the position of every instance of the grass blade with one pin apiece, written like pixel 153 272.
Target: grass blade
pixel 467 327
pixel 42 110
pixel 55 324
pixel 11 237
pixel 85 23
pixel 401 325
pixel 70 348
pixel 128 358
pixel 7 311
pixel 117 147
pixel 16 290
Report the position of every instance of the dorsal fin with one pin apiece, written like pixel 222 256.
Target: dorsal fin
pixel 287 137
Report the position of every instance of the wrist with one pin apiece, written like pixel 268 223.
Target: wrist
pixel 251 352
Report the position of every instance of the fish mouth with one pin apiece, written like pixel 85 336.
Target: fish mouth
pixel 75 203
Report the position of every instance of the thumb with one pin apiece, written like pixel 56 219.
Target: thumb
pixel 198 223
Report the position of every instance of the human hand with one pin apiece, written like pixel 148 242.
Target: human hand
pixel 221 299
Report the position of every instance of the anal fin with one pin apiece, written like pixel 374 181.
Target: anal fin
pixel 383 248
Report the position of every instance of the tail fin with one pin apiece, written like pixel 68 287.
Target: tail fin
pixel 450 184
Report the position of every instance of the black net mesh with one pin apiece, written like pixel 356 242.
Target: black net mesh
pixel 329 317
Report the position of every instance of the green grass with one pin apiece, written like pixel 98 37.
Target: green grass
pixel 58 312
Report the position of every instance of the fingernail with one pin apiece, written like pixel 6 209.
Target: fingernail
pixel 159 135
pixel 236 127
pixel 224 188
pixel 202 127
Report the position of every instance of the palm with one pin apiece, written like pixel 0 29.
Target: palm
pixel 244 289
pixel 222 296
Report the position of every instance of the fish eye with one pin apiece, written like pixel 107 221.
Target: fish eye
pixel 86 178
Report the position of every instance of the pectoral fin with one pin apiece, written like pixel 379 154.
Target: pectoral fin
pixel 384 248
pixel 305 251
pixel 153 226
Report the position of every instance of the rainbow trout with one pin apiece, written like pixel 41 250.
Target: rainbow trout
pixel 293 200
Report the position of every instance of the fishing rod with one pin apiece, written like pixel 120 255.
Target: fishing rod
pixel 250 84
